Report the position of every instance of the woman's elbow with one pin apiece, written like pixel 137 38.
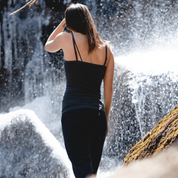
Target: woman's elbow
pixel 47 47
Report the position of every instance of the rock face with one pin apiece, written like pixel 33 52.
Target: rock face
pixel 160 137
pixel 28 149
pixel 140 101
pixel 124 131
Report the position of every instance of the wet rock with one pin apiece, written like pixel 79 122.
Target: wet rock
pixel 164 133
pixel 28 149
pixel 140 101
pixel 124 131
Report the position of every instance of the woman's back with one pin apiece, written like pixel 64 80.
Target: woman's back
pixel 95 57
pixel 83 76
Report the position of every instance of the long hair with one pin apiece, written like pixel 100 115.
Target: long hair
pixel 79 19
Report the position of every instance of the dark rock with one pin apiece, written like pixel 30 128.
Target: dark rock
pixel 28 149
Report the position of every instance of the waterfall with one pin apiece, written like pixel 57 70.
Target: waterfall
pixel 145 37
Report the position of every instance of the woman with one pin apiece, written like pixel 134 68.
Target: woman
pixel 88 61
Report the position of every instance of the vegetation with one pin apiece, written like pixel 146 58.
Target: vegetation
pixel 160 137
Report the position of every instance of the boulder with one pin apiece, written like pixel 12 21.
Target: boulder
pixel 28 149
pixel 163 134
pixel 140 100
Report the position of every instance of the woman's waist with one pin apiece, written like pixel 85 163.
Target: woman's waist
pixel 70 103
pixel 81 97
pixel 82 93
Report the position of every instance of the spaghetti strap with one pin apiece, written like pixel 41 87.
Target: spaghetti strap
pixel 106 55
pixel 78 50
pixel 75 47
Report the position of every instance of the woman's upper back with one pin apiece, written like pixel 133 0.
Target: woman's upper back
pixel 83 76
pixel 97 56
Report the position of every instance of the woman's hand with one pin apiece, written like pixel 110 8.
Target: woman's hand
pixel 57 30
pixel 53 43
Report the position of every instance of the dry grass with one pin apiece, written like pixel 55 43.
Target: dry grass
pixel 160 137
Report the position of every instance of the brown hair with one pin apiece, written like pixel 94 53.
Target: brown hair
pixel 79 19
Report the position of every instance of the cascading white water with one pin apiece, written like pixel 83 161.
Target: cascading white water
pixel 145 83
pixel 152 77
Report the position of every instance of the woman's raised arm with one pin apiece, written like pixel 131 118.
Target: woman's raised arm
pixel 55 40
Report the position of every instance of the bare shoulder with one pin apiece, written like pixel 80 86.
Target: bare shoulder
pixel 109 47
pixel 63 36
pixel 110 56
pixel 63 40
